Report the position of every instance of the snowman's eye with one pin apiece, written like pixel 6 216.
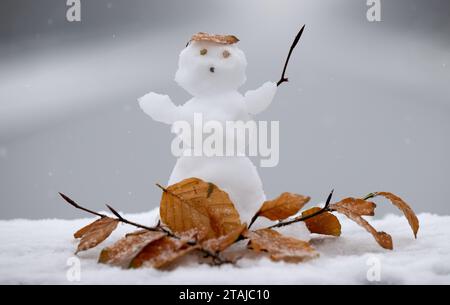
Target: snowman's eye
pixel 203 51
pixel 226 54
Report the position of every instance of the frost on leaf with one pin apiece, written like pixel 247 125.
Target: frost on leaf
pixel 325 223
pixel 404 207
pixel 95 233
pixel 219 244
pixel 163 251
pixel 286 205
pixel 124 250
pixel 195 204
pixel 280 247
pixel 358 206
pixel 382 238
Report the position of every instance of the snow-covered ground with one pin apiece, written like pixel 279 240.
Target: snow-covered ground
pixel 37 252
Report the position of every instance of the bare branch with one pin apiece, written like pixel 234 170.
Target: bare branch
pixel 216 259
pixel 294 44
pixel 121 219
pixel 77 206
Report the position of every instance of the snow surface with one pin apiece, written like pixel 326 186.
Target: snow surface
pixel 36 252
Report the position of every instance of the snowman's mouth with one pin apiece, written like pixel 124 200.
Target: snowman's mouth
pixel 212 69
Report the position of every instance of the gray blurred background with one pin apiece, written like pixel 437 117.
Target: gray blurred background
pixel 367 107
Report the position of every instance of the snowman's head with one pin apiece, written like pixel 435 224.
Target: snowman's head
pixel 211 64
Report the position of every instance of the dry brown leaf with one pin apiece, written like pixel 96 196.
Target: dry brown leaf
pixel 358 206
pixel 280 247
pixel 124 250
pixel 325 223
pixel 95 233
pixel 216 245
pixel 382 238
pixel 195 204
pixel 221 39
pixel 286 205
pixel 405 208
pixel 99 222
pixel 162 252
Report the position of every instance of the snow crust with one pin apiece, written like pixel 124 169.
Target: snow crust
pixel 37 252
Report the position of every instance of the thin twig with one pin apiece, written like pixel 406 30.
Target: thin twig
pixel 294 44
pixel 121 219
pixel 76 205
pixel 217 260
pixel 326 208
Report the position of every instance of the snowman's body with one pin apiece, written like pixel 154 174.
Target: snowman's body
pixel 212 72
pixel 224 107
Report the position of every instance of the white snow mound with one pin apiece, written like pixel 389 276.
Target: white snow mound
pixel 37 252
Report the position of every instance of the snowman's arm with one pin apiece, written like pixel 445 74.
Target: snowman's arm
pixel 258 100
pixel 159 107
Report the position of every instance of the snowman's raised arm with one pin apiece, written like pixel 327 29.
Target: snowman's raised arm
pixel 159 107
pixel 258 100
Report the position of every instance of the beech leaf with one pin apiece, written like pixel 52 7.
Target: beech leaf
pixel 286 205
pixel 161 252
pixel 196 204
pixel 99 222
pixel 124 250
pixel 405 208
pixel 382 238
pixel 219 244
pixel 358 206
pixel 325 223
pixel 95 233
pixel 280 247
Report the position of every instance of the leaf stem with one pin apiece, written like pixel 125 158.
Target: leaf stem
pixel 369 196
pixel 165 190
pixel 252 221
pixel 161 187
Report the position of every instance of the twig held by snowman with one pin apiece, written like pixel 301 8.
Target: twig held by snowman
pixel 294 44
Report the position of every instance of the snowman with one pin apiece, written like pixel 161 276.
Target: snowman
pixel 212 68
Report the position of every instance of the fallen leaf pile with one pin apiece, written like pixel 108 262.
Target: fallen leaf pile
pixel 197 217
